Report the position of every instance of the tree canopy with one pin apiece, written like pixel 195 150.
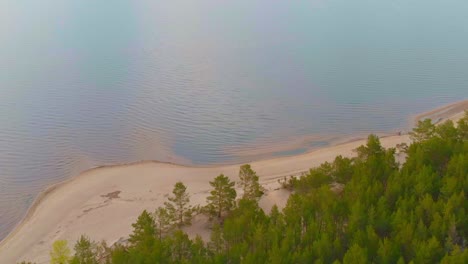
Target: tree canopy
pixel 252 190
pixel 179 207
pixel 60 253
pixel 222 197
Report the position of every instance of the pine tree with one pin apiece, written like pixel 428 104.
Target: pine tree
pixel 222 197
pixel 200 253
pixel 355 254
pixel 249 183
pixel 144 231
pixel 85 252
pixel 162 220
pixel 217 242
pixel 180 247
pixel 179 207
pixel 462 127
pixel 423 131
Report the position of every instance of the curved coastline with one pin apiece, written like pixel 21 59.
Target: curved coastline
pixel 451 111
pixel 50 189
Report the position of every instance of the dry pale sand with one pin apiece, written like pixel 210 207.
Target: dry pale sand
pixel 103 202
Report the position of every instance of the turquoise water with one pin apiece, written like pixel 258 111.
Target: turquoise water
pixel 86 83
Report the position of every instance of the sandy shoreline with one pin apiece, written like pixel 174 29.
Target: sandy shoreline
pixel 79 206
pixel 453 111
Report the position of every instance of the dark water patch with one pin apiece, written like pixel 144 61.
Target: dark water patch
pixel 290 152
pixel 318 144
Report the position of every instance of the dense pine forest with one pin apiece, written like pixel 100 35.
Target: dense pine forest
pixel 367 209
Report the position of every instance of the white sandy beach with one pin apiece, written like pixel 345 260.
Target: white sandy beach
pixel 80 206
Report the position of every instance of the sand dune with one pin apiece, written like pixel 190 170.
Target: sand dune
pixel 103 202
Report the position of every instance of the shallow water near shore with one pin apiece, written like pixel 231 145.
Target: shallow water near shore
pixel 83 84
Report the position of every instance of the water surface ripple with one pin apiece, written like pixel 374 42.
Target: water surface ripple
pixel 85 83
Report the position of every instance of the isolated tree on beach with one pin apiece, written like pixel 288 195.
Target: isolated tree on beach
pixel 222 197
pixel 60 253
pixel 179 207
pixel 249 183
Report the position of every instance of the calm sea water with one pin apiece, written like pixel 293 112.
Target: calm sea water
pixel 85 83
